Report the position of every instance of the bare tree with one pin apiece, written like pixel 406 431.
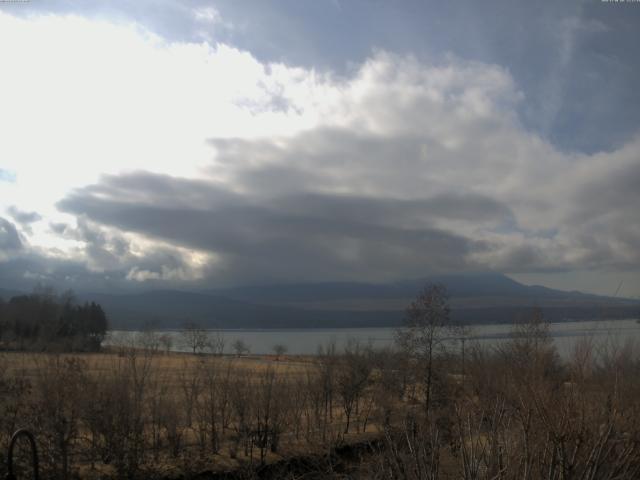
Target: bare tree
pixel 209 408
pixel 461 334
pixel 216 343
pixel 268 412
pixel 116 415
pixel 148 339
pixel 424 331
pixel 241 403
pixel 531 351
pixel 194 337
pixel 240 347
pixel 191 385
pixel 57 411
pixel 299 400
pixel 280 349
pixel 352 379
pixel 327 360
pixel 166 341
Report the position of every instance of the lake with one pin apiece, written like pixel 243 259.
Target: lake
pixel 306 341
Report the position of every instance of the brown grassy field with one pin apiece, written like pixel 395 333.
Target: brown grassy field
pixel 176 399
pixel 173 365
pixel 510 413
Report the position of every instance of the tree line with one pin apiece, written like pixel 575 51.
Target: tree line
pixel 44 321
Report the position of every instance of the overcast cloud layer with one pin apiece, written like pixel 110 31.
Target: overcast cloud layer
pixel 161 154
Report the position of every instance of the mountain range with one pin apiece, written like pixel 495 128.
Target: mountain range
pixel 474 298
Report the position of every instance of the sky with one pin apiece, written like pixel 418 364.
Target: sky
pixel 198 145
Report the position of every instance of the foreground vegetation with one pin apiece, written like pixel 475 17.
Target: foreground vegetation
pixel 429 409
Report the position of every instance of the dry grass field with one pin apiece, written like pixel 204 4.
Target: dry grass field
pixel 510 413
pixel 172 364
pixel 177 412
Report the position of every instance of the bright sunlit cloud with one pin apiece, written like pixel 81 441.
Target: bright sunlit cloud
pixel 81 98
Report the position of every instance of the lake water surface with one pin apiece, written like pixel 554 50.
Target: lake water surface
pixel 307 341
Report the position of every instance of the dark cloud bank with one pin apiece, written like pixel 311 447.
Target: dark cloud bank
pixel 294 237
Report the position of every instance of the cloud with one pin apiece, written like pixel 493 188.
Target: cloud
pixel 108 252
pixel 415 168
pixel 118 97
pixel 25 219
pixel 207 15
pixel 260 240
pixel 24 270
pixel 204 164
pixel 9 237
pixel 604 208
pixel 574 61
pixel 103 259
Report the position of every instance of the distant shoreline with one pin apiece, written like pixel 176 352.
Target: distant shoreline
pixel 365 327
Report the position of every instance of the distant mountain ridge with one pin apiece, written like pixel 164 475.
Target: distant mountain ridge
pixel 475 298
pixel 478 284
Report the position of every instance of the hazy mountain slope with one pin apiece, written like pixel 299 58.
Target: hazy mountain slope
pixel 475 298
pixel 171 309
pixel 469 290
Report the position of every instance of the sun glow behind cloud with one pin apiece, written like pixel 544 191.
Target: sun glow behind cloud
pixel 82 98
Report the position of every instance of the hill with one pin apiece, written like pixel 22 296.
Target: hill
pixel 475 298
